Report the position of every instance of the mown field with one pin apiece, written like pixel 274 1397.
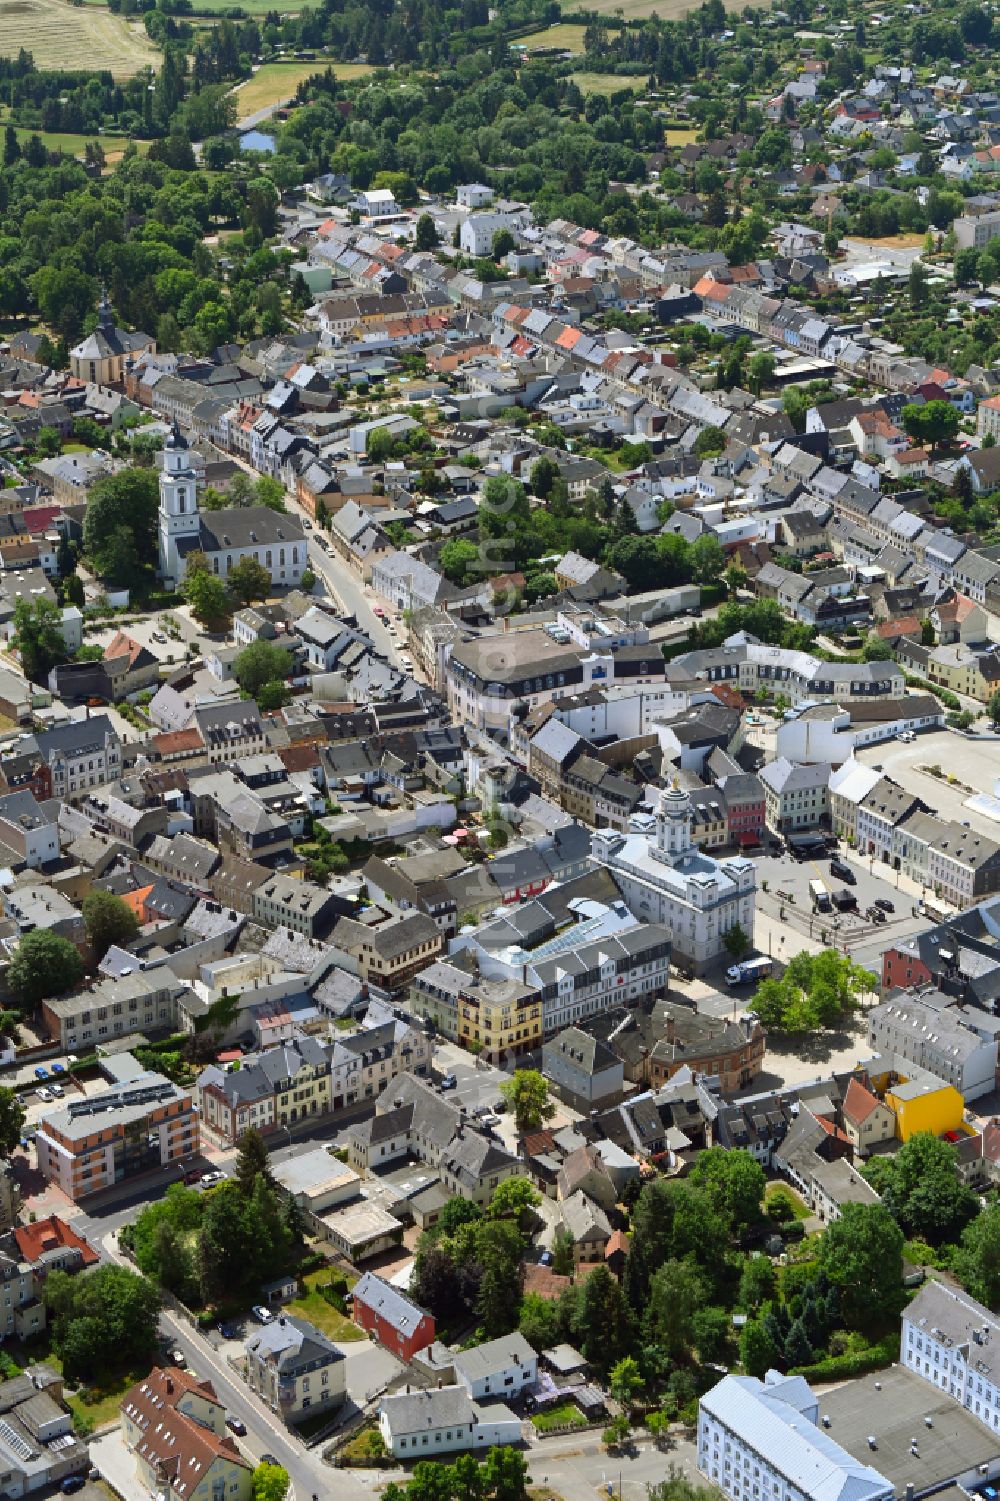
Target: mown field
pixel 60 35
pixel 273 83
pixel 608 83
pixel 567 37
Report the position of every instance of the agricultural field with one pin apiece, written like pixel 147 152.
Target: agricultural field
pixel 274 83
pixel 608 83
pixel 567 37
pixel 60 35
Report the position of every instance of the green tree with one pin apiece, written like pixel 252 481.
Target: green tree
pixel 120 524
pixel 935 422
pixel 862 1254
pixel 760 370
pixel 503 244
pixel 625 1381
pixel 44 964
pixel 109 921
pixel 103 1321
pixel 677 1487
pixel 38 637
pixel 676 1293
pixel 11 1120
pixel 734 1182
pixel 505 1474
pixel 526 1093
pixel 976 1262
pixel 207 596
pixel 540 1321
pixel 710 442
pixel 758 1352
pixel 756 1283
pixel 993 707
pixel 249 580
pixel 261 663
pixel 456 559
pixel 270 1483
pixel 921 1188
pixel 512 1197
pixel 252 1162
pixel 425 236
pixel 736 942
pixel 603 1324
pixel 498 1251
pixel 563 1252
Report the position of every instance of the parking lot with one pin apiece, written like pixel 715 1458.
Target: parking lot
pixel 973 761
pixel 783 892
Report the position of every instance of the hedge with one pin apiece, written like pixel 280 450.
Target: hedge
pixel 855 1363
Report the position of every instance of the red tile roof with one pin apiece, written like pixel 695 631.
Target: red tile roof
pixel 859 1102
pixel 181 1450
pixel 53 1234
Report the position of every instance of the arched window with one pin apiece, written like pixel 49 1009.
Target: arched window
pixel 181 502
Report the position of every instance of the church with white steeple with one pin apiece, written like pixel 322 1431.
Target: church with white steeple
pixel 664 878
pixel 274 538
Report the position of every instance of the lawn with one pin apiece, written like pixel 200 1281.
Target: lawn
pixel 60 35
pixel 563 1415
pixel 105 1408
pixel 567 36
pixel 74 144
pixel 608 83
pixel 312 1305
pixel 785 1191
pixel 274 84
pixel 679 137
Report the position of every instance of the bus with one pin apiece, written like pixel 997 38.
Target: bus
pixel 820 896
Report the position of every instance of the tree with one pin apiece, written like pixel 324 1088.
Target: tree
pixel 456 559
pixel 935 422
pixel 918 300
pixel 307 582
pixel 734 1182
pixel 120 524
pixel 270 1483
pixel 38 637
pixel 527 1095
pixel 993 707
pixel 102 1321
pixel 676 1293
pixel 498 1250
pixel 503 244
pixel 977 1261
pixel 563 1252
pixel 425 236
pixel 758 1352
pixel 207 596
pixel 249 580
pixel 603 1323
pixel 736 942
pixel 512 1197
pixel 11 1120
pixel 921 1188
pixel 625 1381
pixel 710 442
pixel 862 1254
pixel 760 370
pixel 540 1321
pixel 44 964
pixel 261 663
pixel 252 1162
pixel 756 1283
pixel 109 921
pixel 798 1350
pixel 505 1474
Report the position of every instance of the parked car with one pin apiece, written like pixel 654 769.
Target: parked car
pixel 449 1082
pixel 41 1073
pixel 58 1068
pixel 907 737
pixel 178 1357
pixel 73 1483
pixel 229 1331
pixel 490 1120
pixel 875 914
pixel 261 1314
pixel 57 1090
pixel 269 1459
pixel 884 903
pixel 45 1094
pixel 216 1176
pixel 235 1424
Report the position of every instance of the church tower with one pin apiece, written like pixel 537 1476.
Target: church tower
pixel 180 521
pixel 673 824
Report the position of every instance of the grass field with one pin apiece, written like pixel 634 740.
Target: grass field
pixel 567 36
pixel 59 35
pixel 607 83
pixel 563 1415
pixel 678 137
pixel 313 1306
pixel 273 83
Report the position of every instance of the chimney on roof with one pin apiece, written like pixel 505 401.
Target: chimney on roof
pixel 170 1385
